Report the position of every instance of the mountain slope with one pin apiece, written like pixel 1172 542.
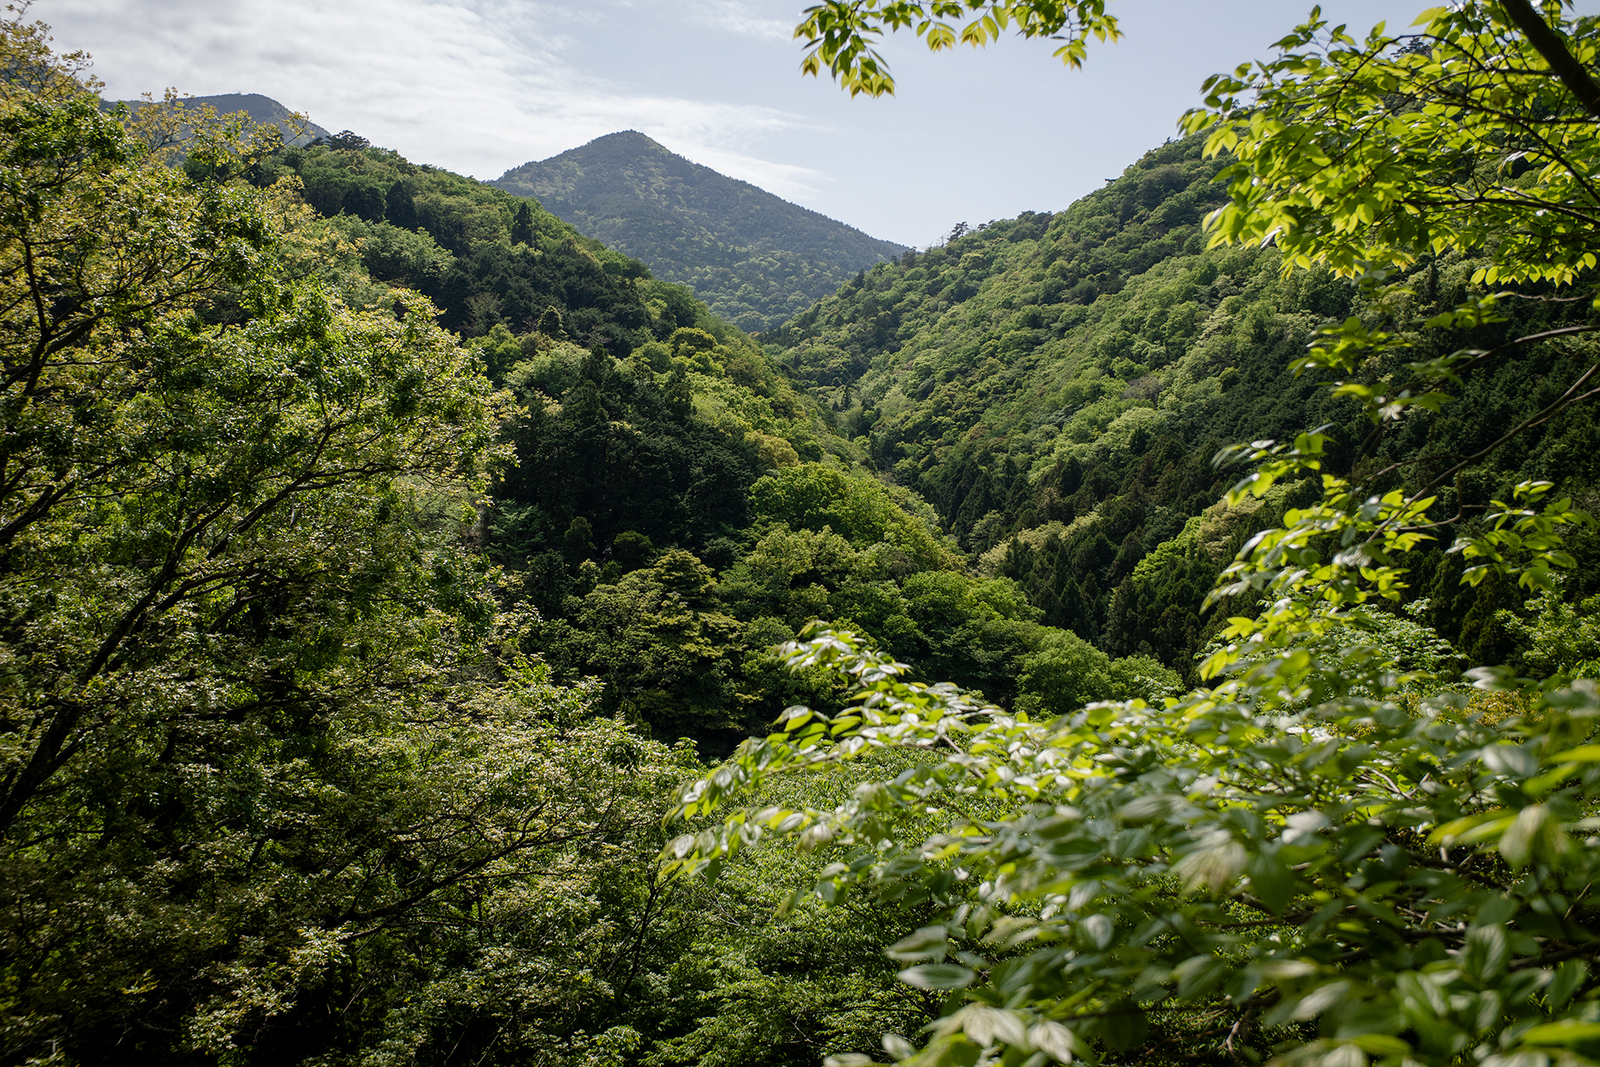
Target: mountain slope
pixel 261 109
pixel 755 258
pixel 1057 385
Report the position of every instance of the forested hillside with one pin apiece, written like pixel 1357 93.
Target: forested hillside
pixel 379 555
pixel 1058 385
pixel 485 257
pixel 262 110
pixel 754 258
pixel 418 620
pixel 1331 851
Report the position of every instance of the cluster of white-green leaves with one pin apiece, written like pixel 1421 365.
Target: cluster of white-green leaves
pixel 1318 857
pixel 1274 866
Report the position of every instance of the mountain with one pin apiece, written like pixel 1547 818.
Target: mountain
pixel 755 258
pixel 1057 385
pixel 261 109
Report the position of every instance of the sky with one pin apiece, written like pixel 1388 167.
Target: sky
pixel 481 86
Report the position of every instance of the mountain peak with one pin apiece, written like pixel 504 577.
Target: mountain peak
pixel 754 257
pixel 630 137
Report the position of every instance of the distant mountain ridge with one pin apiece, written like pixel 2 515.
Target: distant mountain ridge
pixel 754 257
pixel 261 109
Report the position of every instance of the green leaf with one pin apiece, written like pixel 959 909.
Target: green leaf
pixel 1124 1027
pixel 1271 880
pixel 939 976
pixel 1487 953
pixel 929 942
pixel 1564 1032
pixel 1567 979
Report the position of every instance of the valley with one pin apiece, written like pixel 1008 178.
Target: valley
pixel 610 615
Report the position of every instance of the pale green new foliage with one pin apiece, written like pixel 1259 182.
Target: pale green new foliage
pixel 1302 861
pixel 1066 672
pixel 776 984
pixel 1463 134
pixel 1452 136
pixel 837 33
pixel 854 505
pixel 1273 865
pixel 275 783
pixel 1563 638
pixel 405 257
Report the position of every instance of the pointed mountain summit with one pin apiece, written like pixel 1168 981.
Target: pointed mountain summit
pixel 755 258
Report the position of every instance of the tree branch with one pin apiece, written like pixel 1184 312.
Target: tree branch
pixel 1548 44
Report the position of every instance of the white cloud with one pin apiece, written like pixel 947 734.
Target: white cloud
pixel 478 86
pixel 738 18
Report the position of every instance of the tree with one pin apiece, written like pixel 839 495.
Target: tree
pixel 1471 132
pixel 550 324
pixel 400 207
pixel 1476 132
pixel 345 141
pixel 268 754
pixel 522 225
pixel 1311 857
pixel 1318 855
pixel 659 640
pixel 838 33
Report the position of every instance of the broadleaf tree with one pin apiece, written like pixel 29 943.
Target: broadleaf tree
pixel 276 783
pixel 1317 856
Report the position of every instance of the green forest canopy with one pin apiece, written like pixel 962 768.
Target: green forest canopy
pixel 347 660
pixel 293 768
pixel 1317 855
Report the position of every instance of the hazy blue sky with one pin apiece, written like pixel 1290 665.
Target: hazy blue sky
pixel 480 86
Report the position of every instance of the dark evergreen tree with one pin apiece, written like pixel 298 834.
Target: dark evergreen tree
pixel 550 323
pixel 522 225
pixel 577 544
pixel 346 141
pixel 400 207
pixel 364 201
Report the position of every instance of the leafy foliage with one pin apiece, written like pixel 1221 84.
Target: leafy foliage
pixel 783 987
pixel 1255 868
pixel 261 111
pixel 838 34
pixel 1303 859
pixel 276 784
pixel 292 771
pixel 1455 137
pixel 1318 856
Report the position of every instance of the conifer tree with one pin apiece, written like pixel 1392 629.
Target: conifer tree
pixel 550 323
pixel 399 206
pixel 522 225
